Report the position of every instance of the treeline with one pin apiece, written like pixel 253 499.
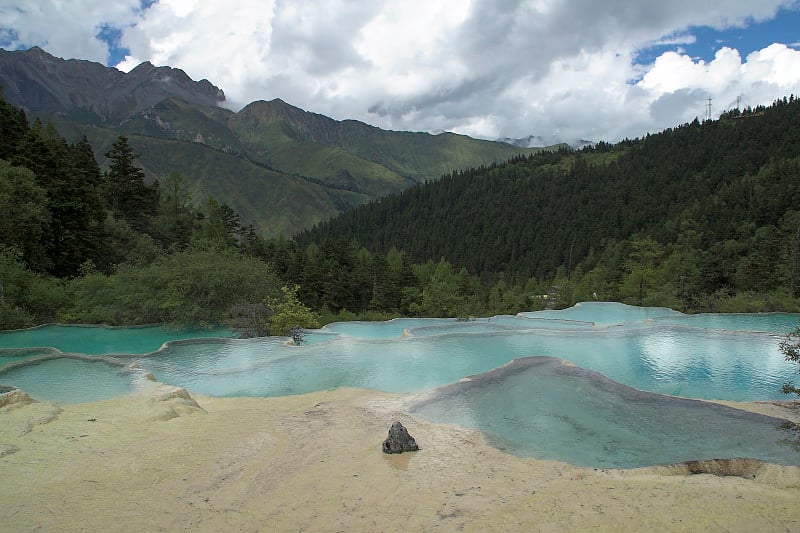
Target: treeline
pixel 700 217
pixel 83 245
pixel 704 216
pixel 343 281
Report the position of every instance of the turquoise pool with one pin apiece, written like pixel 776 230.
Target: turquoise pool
pixel 656 350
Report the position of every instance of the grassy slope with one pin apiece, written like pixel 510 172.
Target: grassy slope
pixel 331 165
pixel 257 160
pixel 275 203
pixel 180 120
pixel 309 144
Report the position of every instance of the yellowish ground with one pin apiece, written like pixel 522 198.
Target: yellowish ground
pixel 157 462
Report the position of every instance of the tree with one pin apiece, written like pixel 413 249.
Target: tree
pixel 125 192
pixel 790 348
pixel 173 225
pixel 250 319
pixel 13 127
pixel 218 226
pixel 642 267
pixel 26 298
pixel 190 287
pixel 69 176
pixel 441 296
pixel 25 223
pixel 380 284
pixel 289 314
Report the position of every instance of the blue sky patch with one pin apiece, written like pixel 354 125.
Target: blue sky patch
pixel 111 36
pixel 702 42
pixel 8 37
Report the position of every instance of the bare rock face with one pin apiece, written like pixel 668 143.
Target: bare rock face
pixel 91 92
pixel 399 440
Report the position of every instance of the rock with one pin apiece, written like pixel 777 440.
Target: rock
pixel 13 397
pixel 399 440
pixel 8 449
pixel 171 402
pixel 738 467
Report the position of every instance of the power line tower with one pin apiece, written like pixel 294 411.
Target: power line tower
pixel 708 109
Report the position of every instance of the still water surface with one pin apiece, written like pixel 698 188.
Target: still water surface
pixel 731 357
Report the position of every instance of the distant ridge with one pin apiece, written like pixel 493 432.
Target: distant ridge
pixel 90 92
pixel 283 169
pixel 713 205
pixel 539 141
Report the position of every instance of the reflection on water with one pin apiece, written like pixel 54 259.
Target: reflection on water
pixel 732 357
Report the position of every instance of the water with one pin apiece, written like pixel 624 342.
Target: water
pixel 731 357
pixel 96 340
pixel 68 380
pixel 538 407
pixel 666 359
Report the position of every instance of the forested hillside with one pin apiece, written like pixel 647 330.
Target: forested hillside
pixel 703 216
pixel 82 245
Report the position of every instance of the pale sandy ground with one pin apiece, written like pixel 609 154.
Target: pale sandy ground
pixel 154 462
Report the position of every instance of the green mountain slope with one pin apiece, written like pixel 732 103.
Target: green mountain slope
pixel 283 169
pixel 274 202
pixel 283 134
pixel 326 166
pixel 319 166
pixel 708 207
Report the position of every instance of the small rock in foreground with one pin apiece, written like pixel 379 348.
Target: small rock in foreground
pixel 399 440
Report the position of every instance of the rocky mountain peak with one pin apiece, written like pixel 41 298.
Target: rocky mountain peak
pixel 90 92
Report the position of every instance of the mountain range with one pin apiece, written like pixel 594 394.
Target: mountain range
pixel 541 141
pixel 281 168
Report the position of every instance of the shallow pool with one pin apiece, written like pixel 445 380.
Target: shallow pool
pixel 97 340
pixel 657 350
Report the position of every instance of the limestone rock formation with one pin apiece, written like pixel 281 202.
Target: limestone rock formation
pixel 13 397
pixel 171 402
pixel 399 440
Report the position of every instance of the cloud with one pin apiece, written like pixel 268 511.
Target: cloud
pixel 487 68
pixel 66 29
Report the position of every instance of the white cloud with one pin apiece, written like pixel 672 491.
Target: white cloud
pixel 683 38
pixel 482 67
pixel 777 65
pixel 66 29
pixel 673 72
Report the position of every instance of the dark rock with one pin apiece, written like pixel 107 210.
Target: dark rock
pixel 399 440
pixel 92 93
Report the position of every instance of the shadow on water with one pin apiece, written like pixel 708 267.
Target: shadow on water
pixel 542 407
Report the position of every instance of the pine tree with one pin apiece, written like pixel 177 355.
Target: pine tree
pixel 125 191
pixel 13 127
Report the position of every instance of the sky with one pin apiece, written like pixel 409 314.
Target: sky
pixel 559 69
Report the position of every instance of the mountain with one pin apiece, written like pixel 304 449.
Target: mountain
pixel 539 141
pixel 698 212
pixel 91 93
pixel 281 168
